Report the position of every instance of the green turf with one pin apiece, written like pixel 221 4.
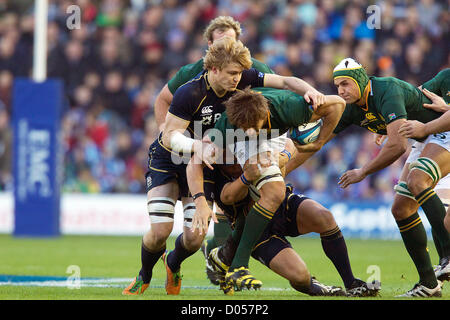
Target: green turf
pixel 119 257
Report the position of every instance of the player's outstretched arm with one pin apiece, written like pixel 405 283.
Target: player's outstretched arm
pixel 419 130
pixel 395 146
pixel 194 174
pixel 162 104
pixel 296 85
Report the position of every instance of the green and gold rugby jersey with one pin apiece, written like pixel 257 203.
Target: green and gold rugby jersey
pixel 440 85
pixel 189 71
pixel 388 99
pixel 286 110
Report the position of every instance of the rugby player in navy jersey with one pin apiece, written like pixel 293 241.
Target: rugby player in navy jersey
pixel 195 107
pixel 219 27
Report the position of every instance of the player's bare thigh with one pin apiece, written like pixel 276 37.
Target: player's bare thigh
pixel 160 228
pixel 313 217
pixel 288 264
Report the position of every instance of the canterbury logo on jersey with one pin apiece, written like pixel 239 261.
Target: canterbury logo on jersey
pixel 207 109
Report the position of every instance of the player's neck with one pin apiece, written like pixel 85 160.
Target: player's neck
pixel 363 100
pixel 213 83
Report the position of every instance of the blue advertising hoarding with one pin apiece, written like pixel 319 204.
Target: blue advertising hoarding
pixel 37 159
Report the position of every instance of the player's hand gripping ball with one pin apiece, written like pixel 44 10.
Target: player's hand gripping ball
pixel 306 133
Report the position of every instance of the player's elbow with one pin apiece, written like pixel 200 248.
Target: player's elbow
pixel 338 103
pixel 226 198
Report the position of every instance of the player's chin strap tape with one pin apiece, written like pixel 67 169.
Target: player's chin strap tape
pixel 161 209
pixel 402 189
pixel 427 165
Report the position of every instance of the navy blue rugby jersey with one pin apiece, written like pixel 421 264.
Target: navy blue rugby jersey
pixel 197 101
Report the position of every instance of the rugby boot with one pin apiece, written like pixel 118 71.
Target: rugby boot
pixel 211 274
pixel 442 271
pixel 324 290
pixel 136 287
pixel 360 288
pixel 241 278
pixel 173 279
pixel 421 291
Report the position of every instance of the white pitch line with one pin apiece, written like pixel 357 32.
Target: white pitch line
pixel 104 283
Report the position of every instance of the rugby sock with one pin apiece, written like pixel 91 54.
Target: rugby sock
pixel 178 254
pixel 222 230
pixel 238 229
pixel 415 240
pixel 434 209
pixel 311 288
pixel 437 244
pixel 334 246
pixel 148 261
pixel 227 250
pixel 256 221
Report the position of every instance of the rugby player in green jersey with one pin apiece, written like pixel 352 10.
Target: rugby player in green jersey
pixel 276 110
pixel 438 91
pixel 195 108
pixel 434 89
pixel 382 105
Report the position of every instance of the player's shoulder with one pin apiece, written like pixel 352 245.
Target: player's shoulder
pixel 261 66
pixel 191 90
pixel 389 85
pixel 442 76
pixel 195 83
pixel 444 73
pixel 195 67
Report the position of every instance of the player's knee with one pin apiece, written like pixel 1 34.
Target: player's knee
pixel 424 172
pixel 156 238
pixel 192 240
pixel 301 281
pixel 324 220
pixel 418 181
pixel 401 210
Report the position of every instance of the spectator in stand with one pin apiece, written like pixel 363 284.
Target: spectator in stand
pixel 114 65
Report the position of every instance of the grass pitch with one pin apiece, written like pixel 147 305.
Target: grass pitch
pixel 108 264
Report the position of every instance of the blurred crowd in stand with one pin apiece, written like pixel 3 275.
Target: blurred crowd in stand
pixel 114 63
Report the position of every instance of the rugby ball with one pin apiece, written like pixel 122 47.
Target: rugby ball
pixel 306 133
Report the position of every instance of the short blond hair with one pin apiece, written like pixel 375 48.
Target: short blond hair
pixel 227 50
pixel 224 23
